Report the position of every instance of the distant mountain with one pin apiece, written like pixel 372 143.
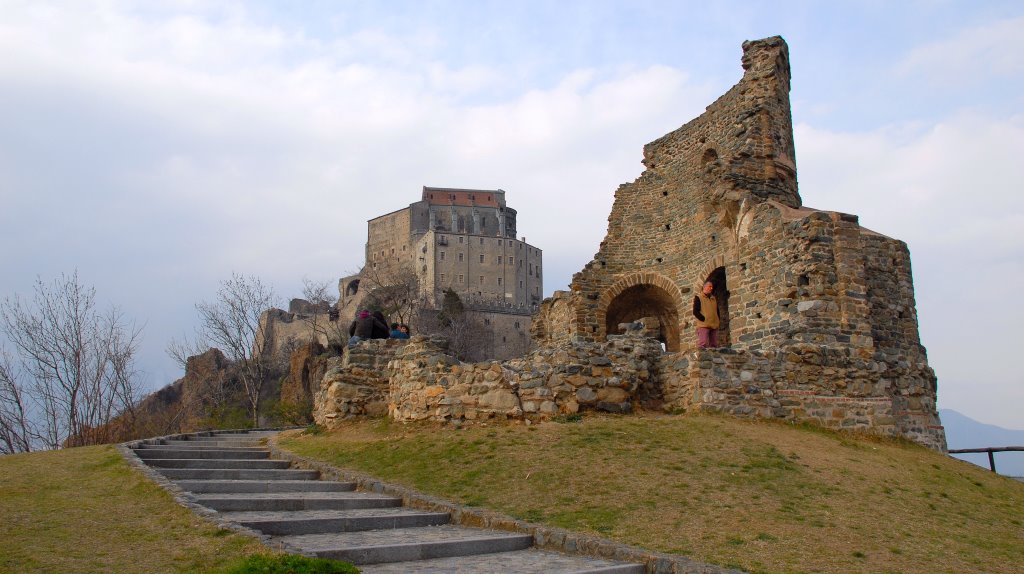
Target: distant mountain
pixel 965 432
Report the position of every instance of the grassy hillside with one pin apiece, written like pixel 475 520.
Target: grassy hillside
pixel 763 497
pixel 85 510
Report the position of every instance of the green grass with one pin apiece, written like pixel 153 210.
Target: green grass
pixel 290 564
pixel 759 496
pixel 84 510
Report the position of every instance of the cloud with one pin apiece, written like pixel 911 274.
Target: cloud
pixel 970 56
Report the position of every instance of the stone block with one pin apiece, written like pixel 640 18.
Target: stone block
pixel 585 395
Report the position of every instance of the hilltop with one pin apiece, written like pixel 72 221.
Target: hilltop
pixel 759 496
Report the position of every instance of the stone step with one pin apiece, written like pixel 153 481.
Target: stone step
pixel 296 501
pixel 530 561
pixel 240 486
pixel 279 523
pixel 197 447
pixel 226 436
pixel 154 453
pixel 233 474
pixel 238 474
pixel 218 463
pixel 405 544
pixel 251 443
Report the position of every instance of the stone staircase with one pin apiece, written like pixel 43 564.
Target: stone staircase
pixel 232 475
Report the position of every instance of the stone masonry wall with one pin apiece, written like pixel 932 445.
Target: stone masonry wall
pixel 356 384
pixel 427 384
pixel 831 387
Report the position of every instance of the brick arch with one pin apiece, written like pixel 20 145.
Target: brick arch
pixel 644 294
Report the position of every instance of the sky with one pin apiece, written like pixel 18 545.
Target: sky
pixel 158 147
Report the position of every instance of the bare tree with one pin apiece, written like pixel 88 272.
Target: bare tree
pixel 468 340
pixel 181 350
pixel 75 364
pixel 232 323
pixel 320 296
pixel 15 427
pixel 394 290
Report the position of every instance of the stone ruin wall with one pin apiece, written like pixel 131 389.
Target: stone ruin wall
pixel 419 381
pixel 820 314
pixel 356 384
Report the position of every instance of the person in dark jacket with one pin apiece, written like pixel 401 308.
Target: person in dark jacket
pixel 361 328
pixel 380 326
pixel 705 310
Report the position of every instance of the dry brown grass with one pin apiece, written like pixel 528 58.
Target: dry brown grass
pixel 85 510
pixel 759 496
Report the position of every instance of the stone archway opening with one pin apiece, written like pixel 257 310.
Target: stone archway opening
pixel 642 301
pixel 721 292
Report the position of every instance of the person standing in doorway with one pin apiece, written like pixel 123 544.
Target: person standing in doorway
pixel 705 310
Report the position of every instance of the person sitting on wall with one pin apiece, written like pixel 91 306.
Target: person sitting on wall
pixel 367 326
pixel 380 326
pixel 705 310
pixel 361 328
pixel 399 331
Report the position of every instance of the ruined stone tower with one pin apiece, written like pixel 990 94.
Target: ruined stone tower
pixel 819 310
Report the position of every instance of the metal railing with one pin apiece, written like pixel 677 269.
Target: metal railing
pixel 991 452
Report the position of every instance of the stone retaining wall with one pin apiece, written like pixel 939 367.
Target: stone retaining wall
pixel 427 384
pixel 829 386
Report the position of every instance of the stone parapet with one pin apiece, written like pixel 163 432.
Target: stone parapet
pixel 356 384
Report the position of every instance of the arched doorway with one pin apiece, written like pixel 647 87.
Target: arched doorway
pixel 721 292
pixel 641 301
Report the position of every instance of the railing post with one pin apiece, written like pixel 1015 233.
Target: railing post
pixel 992 460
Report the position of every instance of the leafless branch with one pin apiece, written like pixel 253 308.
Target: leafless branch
pixel 78 364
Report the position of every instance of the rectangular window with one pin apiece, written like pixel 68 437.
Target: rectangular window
pixel 499 281
pixel 511 260
pixel 462 279
pixel 481 279
pixel 461 238
pixel 520 284
pixel 442 255
pixel 460 257
pixel 481 258
pixel 481 241
pixel 499 243
pixel 499 260
pixel 442 278
pixel 531 270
